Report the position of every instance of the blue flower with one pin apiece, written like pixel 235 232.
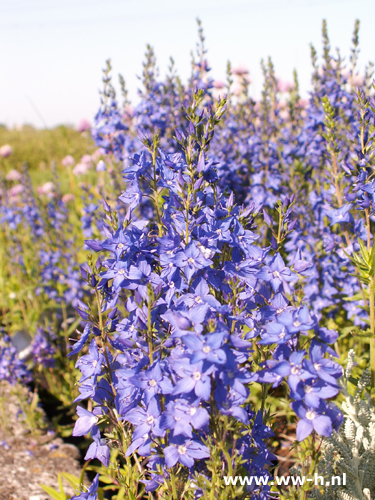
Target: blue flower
pixel 78 346
pixel 208 347
pixel 91 493
pixel 91 364
pixel 321 367
pixel 191 259
pixel 311 419
pixel 85 422
pixel 340 215
pixel 277 273
pixel 185 452
pixel 98 448
pixel 193 378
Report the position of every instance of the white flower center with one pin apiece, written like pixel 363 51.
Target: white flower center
pixel 181 450
pixel 310 415
pixel 206 349
pixel 197 375
pixel 152 383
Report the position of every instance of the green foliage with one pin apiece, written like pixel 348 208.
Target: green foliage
pixel 39 147
pixel 124 481
pixel 352 449
pixel 75 482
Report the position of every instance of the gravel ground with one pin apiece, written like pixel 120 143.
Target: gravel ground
pixel 30 458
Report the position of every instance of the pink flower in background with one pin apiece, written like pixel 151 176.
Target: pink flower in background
pixel 81 168
pixel 97 154
pixel 47 188
pixel 83 125
pixel 240 71
pixel 86 159
pixel 358 80
pixel 218 84
pixel 334 63
pixel 237 90
pixel 13 175
pixel 284 86
pixel 6 150
pixel 67 161
pixel 67 198
pixel 128 111
pixel 16 190
pixel 284 114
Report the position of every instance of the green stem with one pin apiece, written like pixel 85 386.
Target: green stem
pixel 156 193
pixel 174 491
pixel 65 317
pixel 97 295
pixel 368 227
pixel 279 229
pixel 149 332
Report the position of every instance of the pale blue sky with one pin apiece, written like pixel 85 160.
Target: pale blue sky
pixel 52 51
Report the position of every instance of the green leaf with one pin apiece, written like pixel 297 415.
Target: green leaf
pixel 364 251
pixel 61 487
pixel 353 380
pixel 131 495
pixel 372 261
pixel 106 479
pixel 121 494
pixel 355 297
pixel 364 334
pixel 74 326
pixel 82 475
pixel 74 481
pixel 53 493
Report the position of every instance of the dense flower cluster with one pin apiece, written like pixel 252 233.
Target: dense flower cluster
pixel 42 349
pixel 12 369
pixel 199 295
